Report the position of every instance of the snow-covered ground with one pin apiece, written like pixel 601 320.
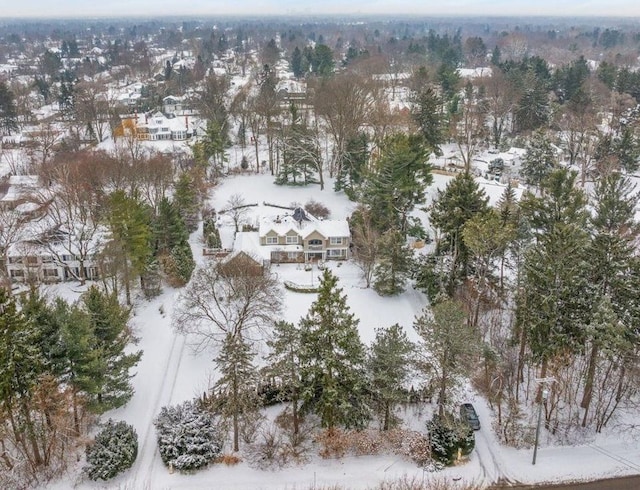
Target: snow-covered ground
pixel 170 372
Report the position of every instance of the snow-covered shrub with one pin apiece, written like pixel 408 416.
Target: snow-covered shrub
pixel 114 450
pixel 189 437
pixel 450 439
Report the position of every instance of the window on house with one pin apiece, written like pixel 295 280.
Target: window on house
pixel 315 241
pixel 272 240
pixel 336 240
pixel 292 255
pixel 50 272
pixel 32 260
pixel 16 273
pixel 292 240
pixel 335 253
pixel 15 260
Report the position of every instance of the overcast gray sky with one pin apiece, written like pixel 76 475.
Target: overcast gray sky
pixel 122 8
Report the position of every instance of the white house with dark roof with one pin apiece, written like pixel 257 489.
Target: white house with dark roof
pixel 158 127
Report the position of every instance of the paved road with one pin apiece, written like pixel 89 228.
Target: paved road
pixel 626 483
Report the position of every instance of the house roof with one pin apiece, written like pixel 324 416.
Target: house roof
pixel 286 224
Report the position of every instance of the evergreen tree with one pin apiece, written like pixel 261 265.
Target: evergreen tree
pixel 189 438
pixel 112 336
pixel 168 228
pixel 612 262
pixel 113 451
pixel 21 366
pixel 389 364
pixel 129 222
pixel 8 116
pixel 427 114
pixel 182 259
pixel 186 200
pixel 332 359
pixel 237 386
pixel 486 237
pixel 394 264
pixel 554 300
pixel 353 166
pixel 460 201
pixel 450 438
pixel 532 110
pixel 540 159
pixel 172 243
pixel 48 328
pixel 397 182
pixel 452 346
pixel 79 347
pixel 297 63
pixel 284 364
pixel 322 63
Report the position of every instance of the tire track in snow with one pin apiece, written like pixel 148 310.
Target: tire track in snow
pixel 148 452
pixel 492 469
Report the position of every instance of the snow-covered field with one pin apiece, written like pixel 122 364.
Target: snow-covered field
pixel 170 372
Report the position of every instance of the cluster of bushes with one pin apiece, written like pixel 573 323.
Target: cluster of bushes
pixel 113 451
pixel 189 437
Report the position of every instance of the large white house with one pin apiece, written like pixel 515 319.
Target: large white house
pixel 158 127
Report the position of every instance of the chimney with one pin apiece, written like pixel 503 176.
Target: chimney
pixel 186 121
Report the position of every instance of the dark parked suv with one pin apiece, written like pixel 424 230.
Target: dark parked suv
pixel 468 414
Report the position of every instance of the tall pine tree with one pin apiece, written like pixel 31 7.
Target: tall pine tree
pixel 332 359
pixel 112 336
pixel 389 365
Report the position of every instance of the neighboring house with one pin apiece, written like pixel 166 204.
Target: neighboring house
pixel 158 127
pixel 172 104
pixel 29 261
pixel 242 263
pixel 132 96
pixel 292 91
pixel 302 238
pixel 17 190
pixel 177 106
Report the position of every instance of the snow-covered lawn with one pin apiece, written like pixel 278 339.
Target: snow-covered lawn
pixel 170 372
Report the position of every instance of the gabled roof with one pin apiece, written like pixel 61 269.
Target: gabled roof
pixel 327 228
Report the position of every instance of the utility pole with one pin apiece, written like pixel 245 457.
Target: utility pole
pixel 545 393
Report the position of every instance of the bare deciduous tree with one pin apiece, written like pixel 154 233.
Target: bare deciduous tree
pixel 234 297
pixel 227 306
pixel 344 103
pixel 71 225
pixel 237 209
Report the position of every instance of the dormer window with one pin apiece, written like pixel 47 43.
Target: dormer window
pixel 272 240
pixel 292 240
